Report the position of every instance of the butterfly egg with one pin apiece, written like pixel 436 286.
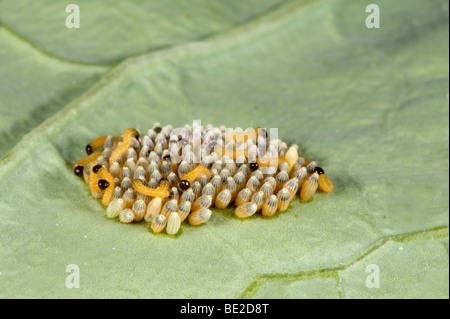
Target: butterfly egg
pixel 258 199
pixel 216 181
pixel 161 140
pixel 142 161
pixel 325 184
pixel 190 158
pixel 170 207
pixel 261 141
pixel 291 155
pixel 126 183
pixel 229 147
pixel 183 169
pixel 147 141
pixel 131 165
pixel 243 196
pixel 292 187
pixel 203 201
pixel 272 150
pixel 153 183
pixel 239 180
pixel 270 206
pixel 310 186
pixel 187 131
pixel 173 223
pixel 214 172
pixel 188 196
pixel 156 175
pixel 139 173
pixel 187 148
pixel 246 210
pixel 231 167
pixel 166 155
pixel 102 161
pixel 272 181
pixel 135 143
pixel 267 189
pixel 223 199
pixel 281 178
pixel 301 174
pixel 184 143
pixel 241 159
pixel 196 188
pixel 258 174
pixel 167 130
pixel 270 171
pixel 229 183
pixel 151 134
pixel 174 194
pixel 139 209
pixel 158 223
pixel 215 156
pixel 117 192
pixel 284 166
pixel 283 199
pixel 126 172
pixel 244 169
pixel 153 157
pixel 252 153
pixel 200 216
pixel 126 216
pixel 252 184
pixel 109 142
pixel 165 169
pixel 157 128
pixel 144 151
pixel 115 207
pixel 128 198
pixel 282 149
pixel 184 208
pixel 153 166
pixel 143 197
pixel 206 161
pixel 173 138
pixel 115 170
pixel 299 164
pixel 209 189
pixel 106 154
pixel 311 167
pixel 203 180
pixel 153 209
pixel 131 153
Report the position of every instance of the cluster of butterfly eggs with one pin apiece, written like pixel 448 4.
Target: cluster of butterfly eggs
pixel 137 180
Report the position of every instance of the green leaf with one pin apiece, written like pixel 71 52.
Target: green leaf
pixel 34 86
pixel 369 105
pixel 127 28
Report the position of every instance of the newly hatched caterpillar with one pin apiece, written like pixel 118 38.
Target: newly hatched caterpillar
pixel 165 177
